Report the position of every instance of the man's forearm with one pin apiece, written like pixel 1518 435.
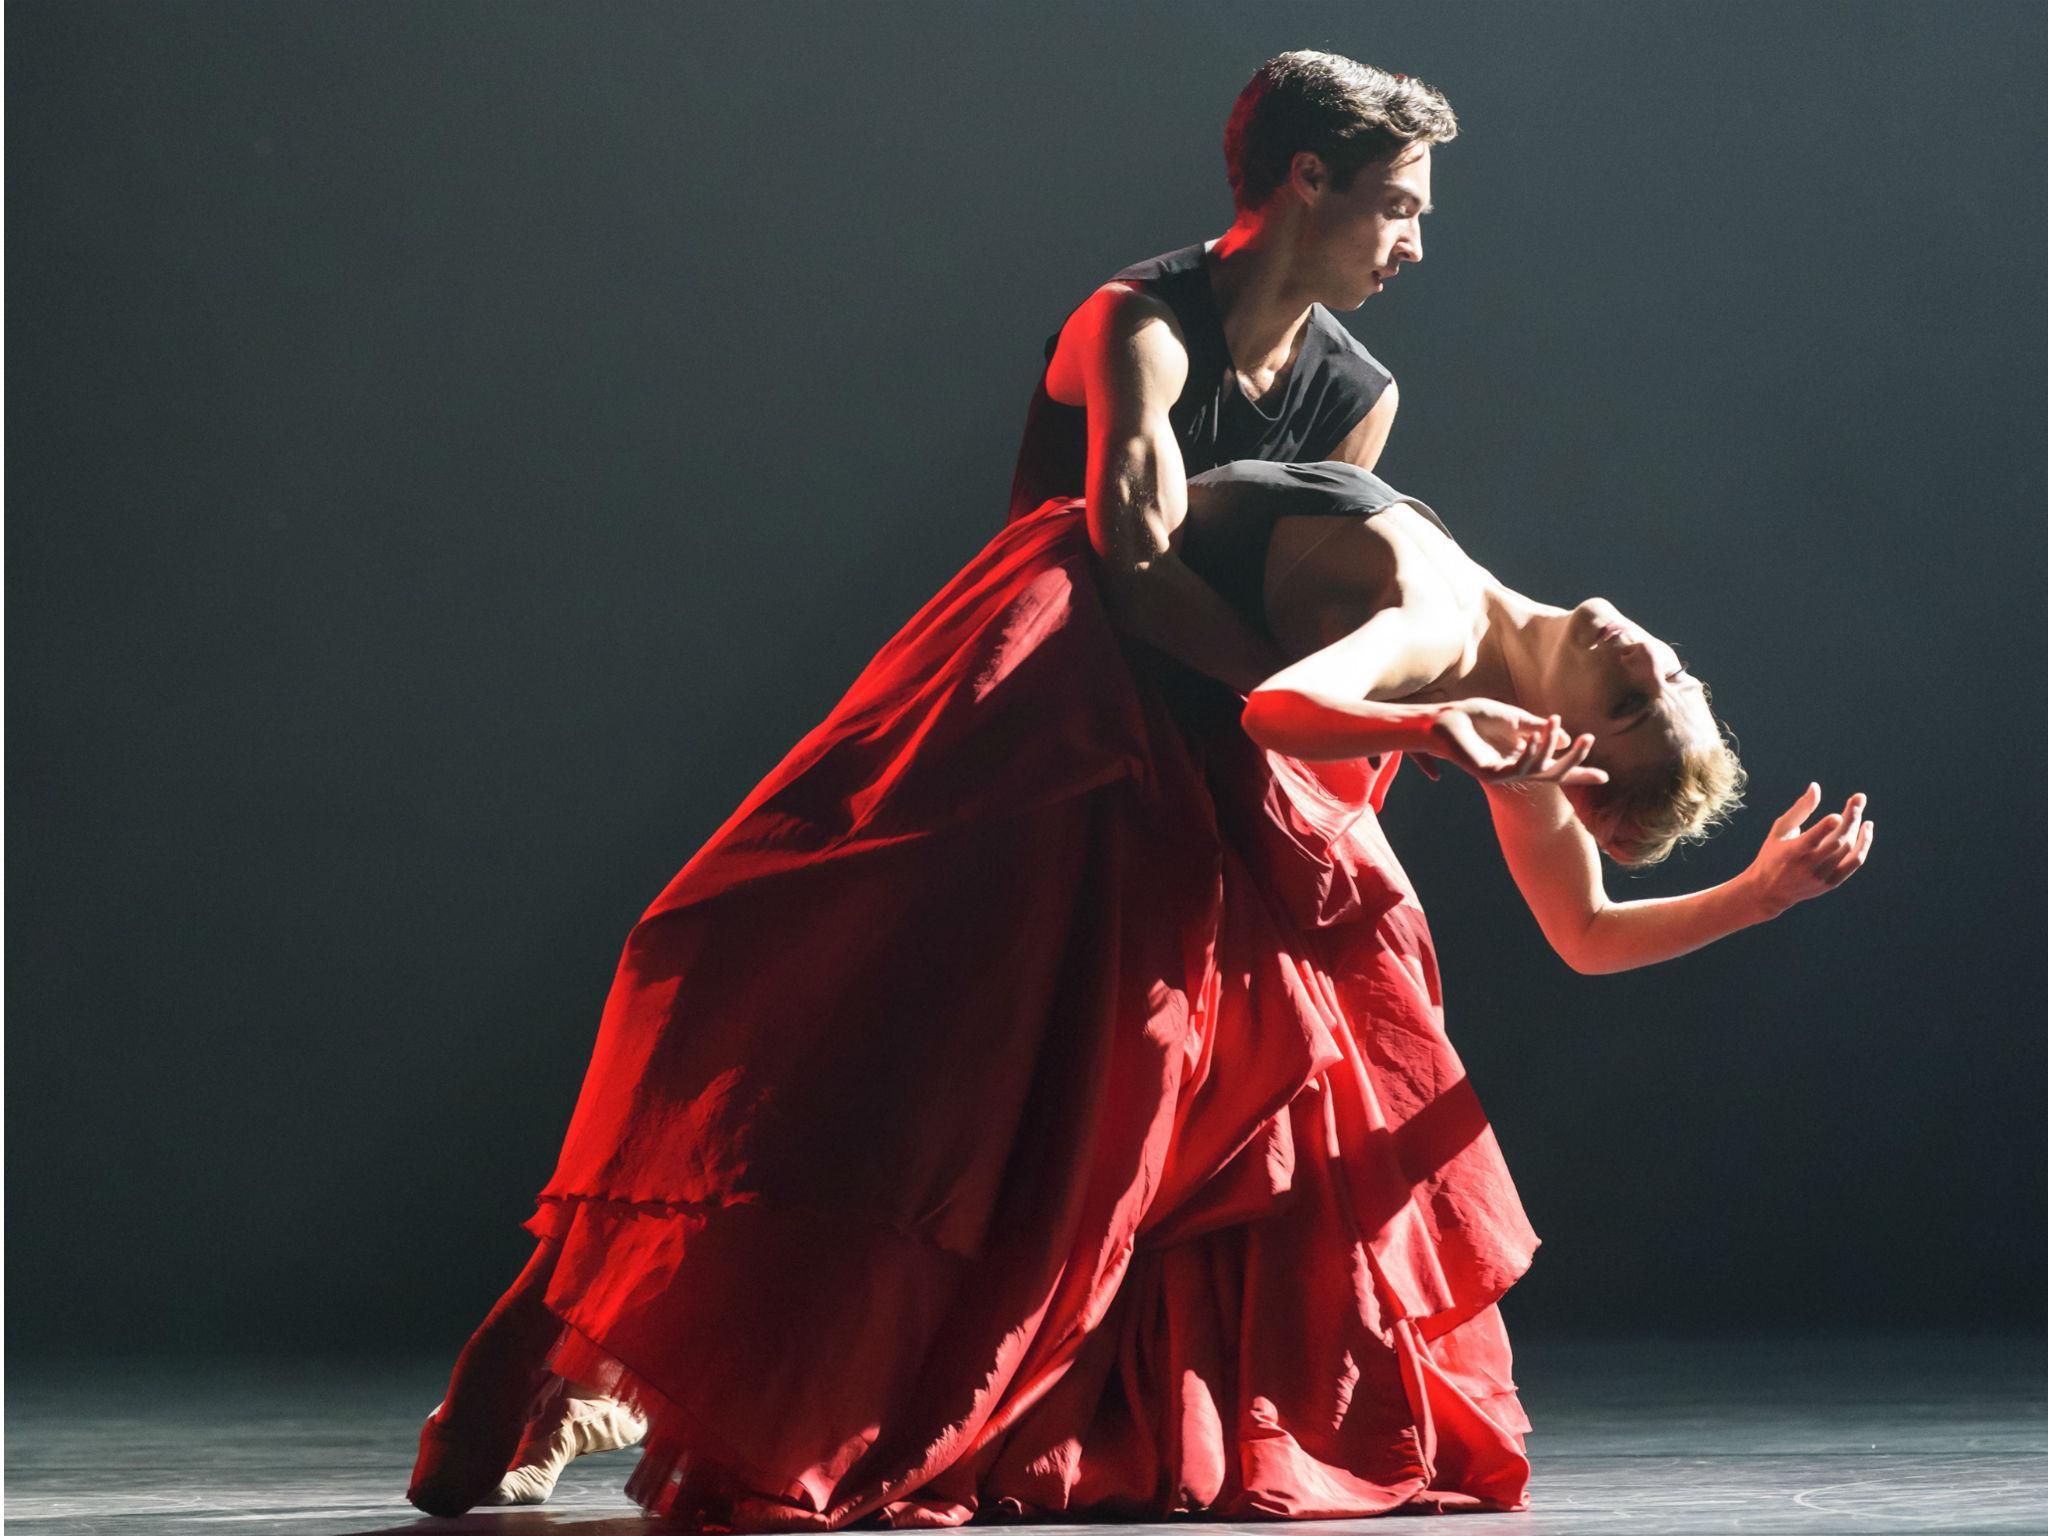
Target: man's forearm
pixel 1168 606
pixel 1626 934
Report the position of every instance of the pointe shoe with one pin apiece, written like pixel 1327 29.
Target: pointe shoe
pixel 563 1430
pixel 501 1372
pixel 461 1461
pixel 456 1469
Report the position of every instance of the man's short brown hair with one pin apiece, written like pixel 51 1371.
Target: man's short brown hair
pixel 1348 113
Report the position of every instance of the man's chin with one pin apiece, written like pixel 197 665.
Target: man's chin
pixel 1373 285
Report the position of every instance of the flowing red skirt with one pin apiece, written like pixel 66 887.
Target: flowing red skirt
pixel 1034 1103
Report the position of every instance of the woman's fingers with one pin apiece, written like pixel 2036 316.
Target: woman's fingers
pixel 1836 845
pixel 1566 764
pixel 1539 750
pixel 1835 832
pixel 1579 751
pixel 1852 825
pixel 1851 859
pixel 1552 746
pixel 1551 760
pixel 1797 812
pixel 1516 764
pixel 1583 772
pixel 1816 835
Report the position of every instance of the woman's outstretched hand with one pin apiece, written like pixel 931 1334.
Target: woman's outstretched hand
pixel 1497 743
pixel 1796 864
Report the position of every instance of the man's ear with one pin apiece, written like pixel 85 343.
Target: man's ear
pixel 1307 174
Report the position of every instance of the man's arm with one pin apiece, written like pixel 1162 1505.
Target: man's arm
pixel 1363 443
pixel 1133 364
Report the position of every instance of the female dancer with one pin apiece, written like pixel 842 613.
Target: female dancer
pixel 1034 1101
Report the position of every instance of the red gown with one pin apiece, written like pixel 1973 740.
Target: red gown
pixel 1034 1103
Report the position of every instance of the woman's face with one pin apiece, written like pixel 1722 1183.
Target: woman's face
pixel 1609 676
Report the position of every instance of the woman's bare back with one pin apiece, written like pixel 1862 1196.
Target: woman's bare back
pixel 1327 576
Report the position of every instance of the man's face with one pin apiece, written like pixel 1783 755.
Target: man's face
pixel 1362 234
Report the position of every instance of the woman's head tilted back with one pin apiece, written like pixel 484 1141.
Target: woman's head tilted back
pixel 1672 776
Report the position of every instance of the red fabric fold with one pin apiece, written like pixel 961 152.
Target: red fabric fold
pixel 1033 1101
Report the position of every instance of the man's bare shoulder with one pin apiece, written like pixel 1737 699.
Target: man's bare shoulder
pixel 1129 302
pixel 1119 315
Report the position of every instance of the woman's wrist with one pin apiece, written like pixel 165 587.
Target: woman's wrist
pixel 1751 894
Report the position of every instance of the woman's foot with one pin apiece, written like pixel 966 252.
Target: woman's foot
pixel 470 1439
pixel 565 1427
pixel 458 1465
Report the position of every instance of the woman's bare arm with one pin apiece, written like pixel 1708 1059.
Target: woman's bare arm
pixel 1320 708
pixel 1556 866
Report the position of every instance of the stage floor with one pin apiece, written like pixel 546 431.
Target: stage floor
pixel 1841 1436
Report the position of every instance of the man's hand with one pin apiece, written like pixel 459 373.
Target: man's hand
pixel 1497 743
pixel 1794 865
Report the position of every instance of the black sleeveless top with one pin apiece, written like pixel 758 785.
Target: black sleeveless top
pixel 1334 381
pixel 1232 509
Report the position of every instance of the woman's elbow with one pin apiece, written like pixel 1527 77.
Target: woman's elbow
pixel 1266 717
pixel 1581 962
pixel 1297 724
pixel 1588 961
pixel 1582 951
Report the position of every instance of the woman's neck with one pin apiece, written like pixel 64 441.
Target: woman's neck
pixel 1512 632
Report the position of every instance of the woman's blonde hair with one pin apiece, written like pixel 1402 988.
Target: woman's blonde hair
pixel 1639 816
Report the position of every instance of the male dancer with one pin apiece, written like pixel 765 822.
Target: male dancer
pixel 1228 350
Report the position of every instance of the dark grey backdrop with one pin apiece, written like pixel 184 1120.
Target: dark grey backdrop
pixel 456 448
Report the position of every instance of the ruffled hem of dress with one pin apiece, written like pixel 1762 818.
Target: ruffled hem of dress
pixel 663 1483
pixel 689 1473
